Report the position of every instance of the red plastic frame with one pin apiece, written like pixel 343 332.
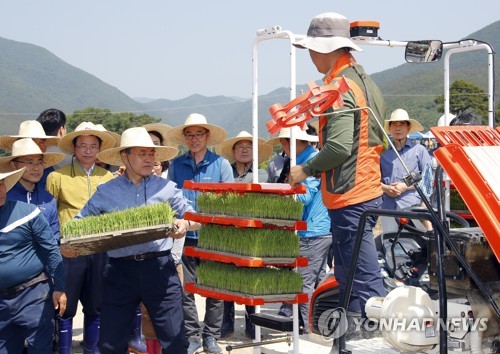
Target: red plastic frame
pixel 244 261
pixel 245 299
pixel 274 188
pixel 246 222
pixel 298 111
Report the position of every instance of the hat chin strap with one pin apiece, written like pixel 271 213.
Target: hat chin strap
pixel 133 170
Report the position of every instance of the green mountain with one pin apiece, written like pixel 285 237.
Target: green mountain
pixel 415 86
pixel 34 79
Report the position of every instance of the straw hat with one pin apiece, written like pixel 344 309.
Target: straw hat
pixel 135 137
pixel 328 32
pixel 400 115
pixel 163 130
pixel 225 148
pixel 11 178
pixel 115 136
pixel 217 134
pixel 86 128
pixel 298 134
pixel 28 129
pixel 27 147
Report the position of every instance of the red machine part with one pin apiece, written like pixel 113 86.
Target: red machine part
pixel 298 111
pixel 470 155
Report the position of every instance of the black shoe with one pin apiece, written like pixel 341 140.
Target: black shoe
pixel 210 346
pixel 286 310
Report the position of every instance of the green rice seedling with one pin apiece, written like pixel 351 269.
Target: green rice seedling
pixel 250 281
pixel 254 205
pixel 132 218
pixel 252 242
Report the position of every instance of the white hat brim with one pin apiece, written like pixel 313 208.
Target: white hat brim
pixel 11 178
pixel 113 157
pixel 50 159
pixel 217 134
pixel 326 44
pixel 66 142
pixel 225 149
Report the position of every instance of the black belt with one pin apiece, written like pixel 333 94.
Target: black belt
pixel 13 290
pixel 141 257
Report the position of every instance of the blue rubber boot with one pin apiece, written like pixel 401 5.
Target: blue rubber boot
pixel 136 343
pixel 65 334
pixel 91 326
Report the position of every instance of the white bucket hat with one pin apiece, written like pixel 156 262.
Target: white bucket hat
pixel 163 130
pixel 28 129
pixel 328 32
pixel 136 137
pixel 11 178
pixel 86 128
pixel 400 115
pixel 217 134
pixel 27 147
pixel 298 134
pixel 225 148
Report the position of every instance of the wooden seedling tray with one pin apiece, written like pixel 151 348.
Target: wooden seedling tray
pixel 244 299
pixel 238 221
pixel 98 243
pixel 244 261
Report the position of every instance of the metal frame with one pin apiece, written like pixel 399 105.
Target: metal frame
pixel 275 32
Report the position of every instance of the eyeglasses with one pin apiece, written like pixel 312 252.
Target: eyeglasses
pixel 243 147
pixel 144 155
pixel 196 136
pixel 32 163
pixel 86 147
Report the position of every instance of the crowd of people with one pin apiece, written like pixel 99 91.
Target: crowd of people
pixel 52 176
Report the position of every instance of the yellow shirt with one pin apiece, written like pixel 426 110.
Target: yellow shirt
pixel 72 188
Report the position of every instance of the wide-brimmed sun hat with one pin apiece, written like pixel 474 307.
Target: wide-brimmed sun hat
pixel 86 128
pixel 298 134
pixel 225 148
pixel 27 147
pixel 328 32
pixel 28 129
pixel 11 178
pixel 115 136
pixel 163 130
pixel 217 134
pixel 400 115
pixel 136 137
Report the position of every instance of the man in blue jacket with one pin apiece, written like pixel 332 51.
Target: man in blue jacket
pixel 199 165
pixel 26 153
pixel 31 275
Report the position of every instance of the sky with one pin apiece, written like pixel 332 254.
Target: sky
pixel 173 49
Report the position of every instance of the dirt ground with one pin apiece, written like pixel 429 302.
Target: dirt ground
pixel 238 338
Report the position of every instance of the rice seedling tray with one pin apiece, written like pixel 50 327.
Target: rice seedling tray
pixel 244 299
pixel 246 222
pixel 244 261
pixel 274 188
pixel 102 242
